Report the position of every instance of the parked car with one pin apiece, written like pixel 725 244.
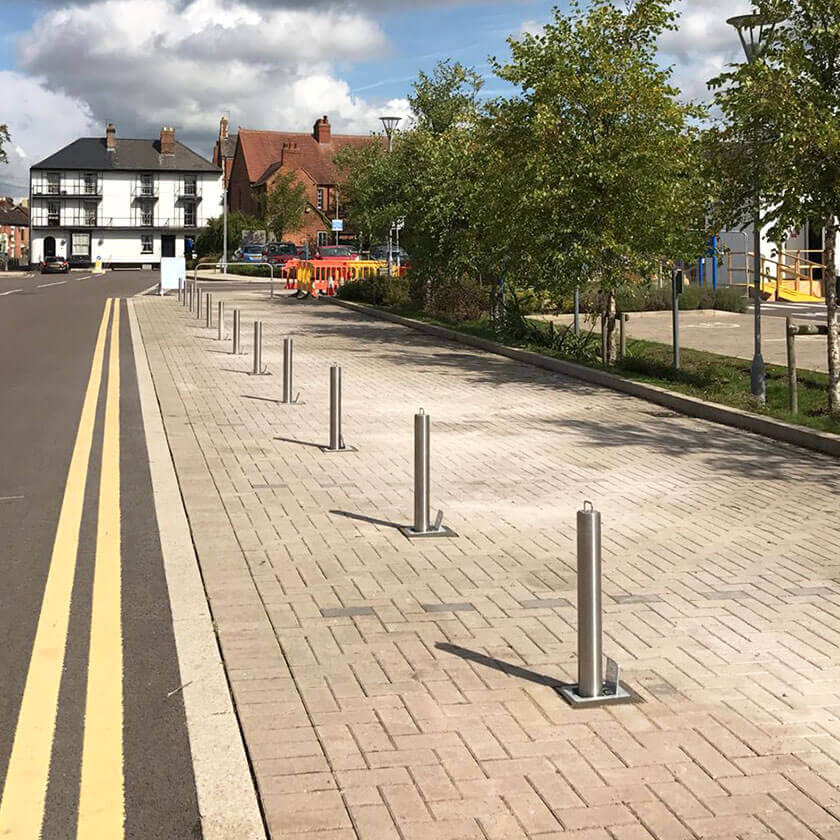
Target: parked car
pixel 380 253
pixel 335 252
pixel 279 253
pixel 55 265
pixel 251 254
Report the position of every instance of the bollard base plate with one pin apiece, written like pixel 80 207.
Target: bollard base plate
pixel 611 695
pixel 409 532
pixel 328 451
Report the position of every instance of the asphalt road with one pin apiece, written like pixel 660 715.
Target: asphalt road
pixel 93 738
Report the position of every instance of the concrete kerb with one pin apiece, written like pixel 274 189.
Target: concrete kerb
pixel 823 442
pixel 227 799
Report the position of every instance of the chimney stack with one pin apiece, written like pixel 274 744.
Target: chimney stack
pixel 322 131
pixel 223 128
pixel 111 138
pixel 167 140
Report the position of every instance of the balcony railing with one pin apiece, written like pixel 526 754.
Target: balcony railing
pixel 123 222
pixel 77 187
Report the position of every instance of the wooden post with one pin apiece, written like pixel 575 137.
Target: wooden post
pixel 790 334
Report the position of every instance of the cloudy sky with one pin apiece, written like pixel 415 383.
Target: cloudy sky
pixel 69 66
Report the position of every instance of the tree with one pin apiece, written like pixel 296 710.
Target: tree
pixel 210 239
pixel 5 137
pixel 600 151
pixel 285 204
pixel 779 137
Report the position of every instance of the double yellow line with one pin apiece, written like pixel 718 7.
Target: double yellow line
pixel 101 796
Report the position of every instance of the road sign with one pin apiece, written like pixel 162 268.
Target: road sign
pixel 338 225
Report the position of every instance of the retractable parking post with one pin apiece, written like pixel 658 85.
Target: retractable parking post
pixel 258 367
pixel 593 687
pixel 236 332
pixel 208 311
pixel 423 526
pixel 288 372
pixel 336 438
pixel 221 324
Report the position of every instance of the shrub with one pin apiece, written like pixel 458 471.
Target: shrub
pixel 730 299
pixel 460 299
pixel 377 291
pixel 690 297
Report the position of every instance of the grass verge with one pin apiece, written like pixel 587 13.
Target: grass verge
pixel 707 376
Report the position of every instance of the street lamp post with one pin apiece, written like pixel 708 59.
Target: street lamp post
pixel 390 125
pixel 754 31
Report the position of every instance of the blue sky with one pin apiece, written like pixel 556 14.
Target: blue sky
pixel 67 67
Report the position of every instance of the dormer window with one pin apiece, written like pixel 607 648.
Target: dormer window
pixel 320 199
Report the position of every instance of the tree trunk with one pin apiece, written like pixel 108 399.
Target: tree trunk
pixel 830 283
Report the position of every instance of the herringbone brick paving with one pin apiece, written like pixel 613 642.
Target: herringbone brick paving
pixel 721 593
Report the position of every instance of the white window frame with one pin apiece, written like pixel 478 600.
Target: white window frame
pixel 53 211
pixel 190 209
pixel 319 198
pixel 144 239
pixel 323 237
pixel 53 183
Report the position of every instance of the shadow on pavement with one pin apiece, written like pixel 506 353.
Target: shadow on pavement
pixel 369 519
pixel 499 665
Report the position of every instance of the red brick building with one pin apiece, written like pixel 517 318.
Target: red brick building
pixel 261 156
pixel 224 149
pixel 14 232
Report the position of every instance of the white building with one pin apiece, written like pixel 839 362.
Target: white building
pixel 126 202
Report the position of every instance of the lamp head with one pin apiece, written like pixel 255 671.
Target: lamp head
pixel 390 124
pixel 754 30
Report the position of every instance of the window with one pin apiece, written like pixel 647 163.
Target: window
pixel 320 203
pixel 190 185
pixel 323 237
pixel 53 213
pixel 146 244
pixel 80 244
pixel 90 183
pixel 90 213
pixel 147 184
pixel 53 183
pixel 147 215
pixel 189 215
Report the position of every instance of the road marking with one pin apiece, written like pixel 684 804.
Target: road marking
pixel 10 498
pixel 101 794
pixel 10 292
pixel 25 790
pixel 47 285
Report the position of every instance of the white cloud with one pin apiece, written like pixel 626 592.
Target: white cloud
pixel 158 62
pixel 40 122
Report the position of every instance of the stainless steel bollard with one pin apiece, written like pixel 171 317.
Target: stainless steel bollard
pixel 590 652
pixel 198 295
pixel 336 438
pixel 221 318
pixel 191 285
pixel 596 686
pixel 258 368
pixel 335 409
pixel 288 370
pixel 423 526
pixel 422 471
pixel 180 290
pixel 208 311
pixel 236 333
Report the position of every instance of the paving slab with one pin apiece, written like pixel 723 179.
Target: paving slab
pixel 366 714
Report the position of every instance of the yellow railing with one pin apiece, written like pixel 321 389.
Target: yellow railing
pixel 791 271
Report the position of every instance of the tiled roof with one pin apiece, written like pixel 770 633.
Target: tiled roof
pixel 263 153
pixel 16 216
pixel 91 153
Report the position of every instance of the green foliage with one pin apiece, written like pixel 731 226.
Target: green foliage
pixel 776 146
pixel 378 290
pixel 285 204
pixel 601 151
pixel 211 237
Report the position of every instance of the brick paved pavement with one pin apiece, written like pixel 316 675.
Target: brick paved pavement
pixel 401 721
